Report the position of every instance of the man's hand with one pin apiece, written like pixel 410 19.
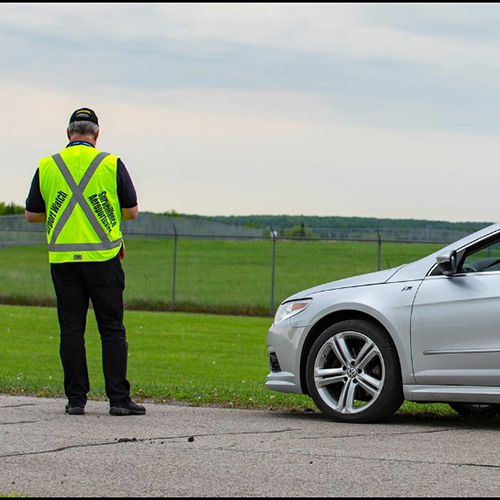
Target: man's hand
pixel 35 217
pixel 130 213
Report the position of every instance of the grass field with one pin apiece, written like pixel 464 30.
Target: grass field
pixel 212 276
pixel 190 358
pixel 176 356
pixel 172 357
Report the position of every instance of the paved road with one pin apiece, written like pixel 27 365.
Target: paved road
pixel 181 451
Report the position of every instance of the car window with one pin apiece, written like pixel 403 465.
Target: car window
pixel 484 258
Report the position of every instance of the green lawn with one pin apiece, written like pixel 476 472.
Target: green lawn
pixel 176 356
pixel 212 276
pixel 190 358
pixel 172 356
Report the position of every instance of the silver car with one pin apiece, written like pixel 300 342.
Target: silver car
pixel 427 332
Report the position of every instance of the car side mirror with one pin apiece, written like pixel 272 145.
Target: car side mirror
pixel 447 262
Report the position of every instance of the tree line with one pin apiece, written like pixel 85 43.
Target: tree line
pixel 10 209
pixel 308 223
pixel 305 225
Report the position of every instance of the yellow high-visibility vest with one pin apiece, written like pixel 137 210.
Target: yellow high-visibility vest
pixel 83 211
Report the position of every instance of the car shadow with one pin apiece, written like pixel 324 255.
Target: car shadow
pixel 434 421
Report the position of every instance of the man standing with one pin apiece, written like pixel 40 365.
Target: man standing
pixel 82 195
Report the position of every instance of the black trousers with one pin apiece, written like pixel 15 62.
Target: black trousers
pixel 102 283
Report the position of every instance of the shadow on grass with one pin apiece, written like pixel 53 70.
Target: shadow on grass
pixel 153 306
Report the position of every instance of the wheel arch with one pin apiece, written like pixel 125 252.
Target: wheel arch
pixel 322 325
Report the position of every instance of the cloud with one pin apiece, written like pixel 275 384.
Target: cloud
pixel 332 29
pixel 373 64
pixel 321 109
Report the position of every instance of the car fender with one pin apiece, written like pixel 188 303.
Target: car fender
pixel 389 304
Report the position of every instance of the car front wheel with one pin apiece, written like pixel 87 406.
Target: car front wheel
pixel 353 373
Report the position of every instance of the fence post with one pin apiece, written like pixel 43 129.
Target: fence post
pixel 273 271
pixel 174 277
pixel 379 250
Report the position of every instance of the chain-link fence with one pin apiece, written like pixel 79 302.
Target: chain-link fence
pixel 15 230
pixel 180 264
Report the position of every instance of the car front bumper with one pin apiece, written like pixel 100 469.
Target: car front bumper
pixel 283 348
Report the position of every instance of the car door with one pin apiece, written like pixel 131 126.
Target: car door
pixel 455 324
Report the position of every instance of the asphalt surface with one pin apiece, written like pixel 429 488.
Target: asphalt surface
pixel 183 451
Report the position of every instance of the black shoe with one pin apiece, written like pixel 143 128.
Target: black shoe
pixel 74 410
pixel 129 408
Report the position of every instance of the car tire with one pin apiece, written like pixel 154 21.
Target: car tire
pixel 353 373
pixel 477 411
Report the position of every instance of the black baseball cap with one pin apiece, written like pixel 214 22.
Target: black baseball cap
pixel 84 114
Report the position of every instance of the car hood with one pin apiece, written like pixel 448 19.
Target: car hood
pixel 412 271
pixel 361 280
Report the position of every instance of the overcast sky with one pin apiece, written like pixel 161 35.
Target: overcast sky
pixel 357 109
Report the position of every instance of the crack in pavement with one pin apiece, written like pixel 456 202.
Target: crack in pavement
pixel 18 405
pixel 378 434
pixel 344 456
pixel 190 438
pixel 20 422
pixel 295 453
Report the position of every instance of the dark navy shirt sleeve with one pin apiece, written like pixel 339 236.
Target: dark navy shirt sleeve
pixel 35 203
pixel 126 191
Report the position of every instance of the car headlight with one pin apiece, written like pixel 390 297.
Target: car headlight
pixel 289 309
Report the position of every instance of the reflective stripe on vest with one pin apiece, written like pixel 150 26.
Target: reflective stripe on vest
pixel 78 199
